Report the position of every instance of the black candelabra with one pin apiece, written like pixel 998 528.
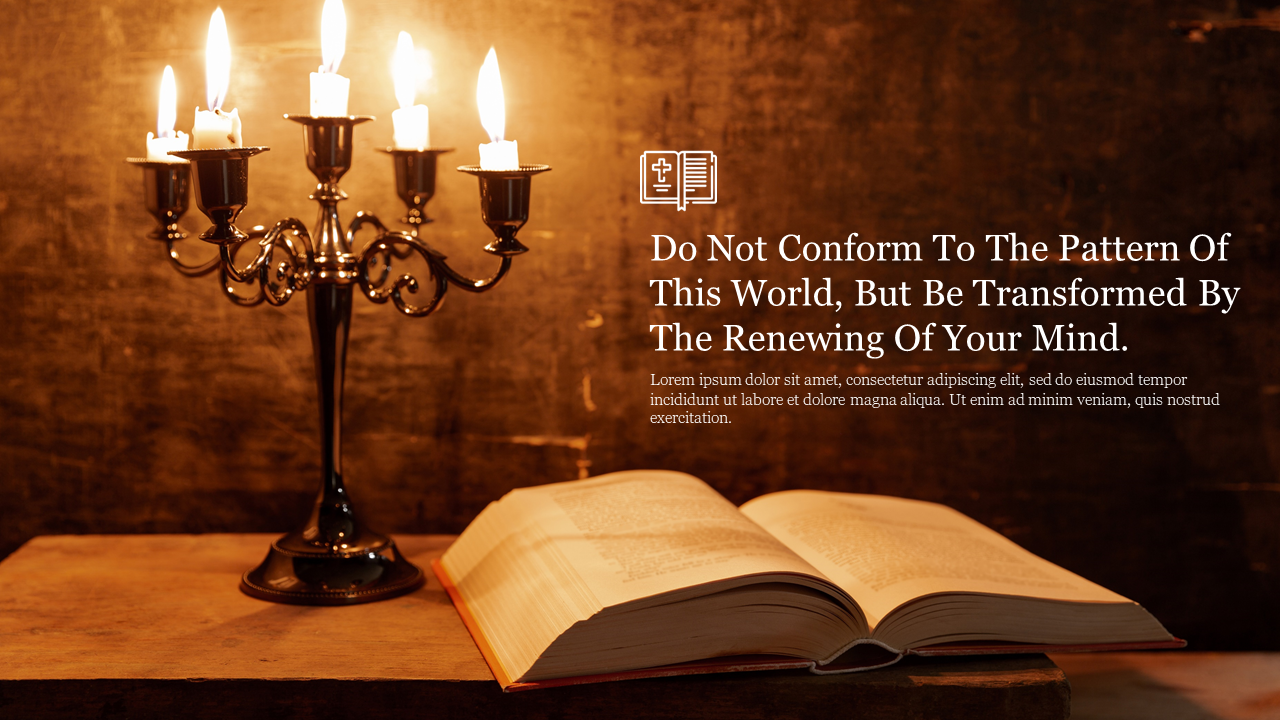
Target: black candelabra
pixel 333 559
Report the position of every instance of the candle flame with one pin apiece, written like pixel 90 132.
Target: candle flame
pixel 333 35
pixel 217 62
pixel 403 71
pixel 493 107
pixel 168 112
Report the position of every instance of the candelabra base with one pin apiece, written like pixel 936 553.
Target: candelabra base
pixel 299 573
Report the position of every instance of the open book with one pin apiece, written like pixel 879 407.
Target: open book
pixel 649 573
pixel 678 178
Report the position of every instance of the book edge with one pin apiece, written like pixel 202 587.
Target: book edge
pixel 741 663
pixel 473 627
pixel 760 663
pixel 978 648
pixel 698 667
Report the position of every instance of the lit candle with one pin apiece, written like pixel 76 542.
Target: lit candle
pixel 329 89
pixel 410 130
pixel 165 140
pixel 213 128
pixel 499 154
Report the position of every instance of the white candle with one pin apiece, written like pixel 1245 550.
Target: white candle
pixel 165 139
pixel 329 94
pixel 500 154
pixel 410 128
pixel 158 148
pixel 214 128
pixel 329 90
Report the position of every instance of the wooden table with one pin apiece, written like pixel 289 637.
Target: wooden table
pixel 142 626
pixel 1173 686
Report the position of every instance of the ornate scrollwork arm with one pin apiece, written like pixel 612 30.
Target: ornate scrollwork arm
pixel 292 274
pixel 381 250
pixel 170 240
pixel 477 286
pixel 229 285
pixel 274 280
pixel 389 244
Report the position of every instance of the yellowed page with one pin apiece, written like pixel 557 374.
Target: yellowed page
pixel 885 551
pixel 639 533
pixel 521 593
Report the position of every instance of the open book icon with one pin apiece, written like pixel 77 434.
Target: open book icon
pixel 678 178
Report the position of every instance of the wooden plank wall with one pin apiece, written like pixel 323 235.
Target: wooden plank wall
pixel 135 400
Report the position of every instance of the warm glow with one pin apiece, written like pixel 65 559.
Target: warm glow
pixel 165 140
pixel 333 35
pixel 168 113
pixel 217 61
pixel 410 124
pixel 404 72
pixel 493 108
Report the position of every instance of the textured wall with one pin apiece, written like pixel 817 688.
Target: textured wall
pixel 135 400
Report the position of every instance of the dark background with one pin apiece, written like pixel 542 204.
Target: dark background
pixel 135 400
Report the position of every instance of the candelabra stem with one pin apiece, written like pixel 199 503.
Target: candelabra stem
pixel 333 559
pixel 329 307
pixel 333 259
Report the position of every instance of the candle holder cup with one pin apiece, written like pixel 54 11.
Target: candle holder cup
pixel 504 204
pixel 166 194
pixel 222 189
pixel 415 182
pixel 333 558
pixel 327 144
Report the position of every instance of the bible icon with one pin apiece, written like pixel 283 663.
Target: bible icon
pixel 678 178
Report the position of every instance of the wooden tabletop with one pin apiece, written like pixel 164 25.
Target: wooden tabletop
pixel 154 626
pixel 1173 685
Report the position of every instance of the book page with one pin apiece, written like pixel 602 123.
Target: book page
pixel 886 551
pixel 697 176
pixel 660 176
pixel 635 534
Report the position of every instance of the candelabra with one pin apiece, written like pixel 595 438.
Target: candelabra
pixel 333 559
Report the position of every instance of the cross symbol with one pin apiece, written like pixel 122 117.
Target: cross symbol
pixel 661 167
